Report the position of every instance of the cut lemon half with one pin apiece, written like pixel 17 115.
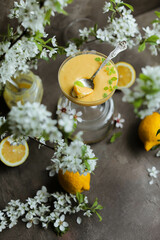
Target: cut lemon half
pixel 13 156
pixel 81 92
pixel 127 75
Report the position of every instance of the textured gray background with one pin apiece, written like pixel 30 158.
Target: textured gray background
pixel 131 206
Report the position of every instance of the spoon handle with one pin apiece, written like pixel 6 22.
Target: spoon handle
pixel 121 46
pixel 13 83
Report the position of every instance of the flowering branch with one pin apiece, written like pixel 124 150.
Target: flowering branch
pixel 145 96
pixel 40 210
pixel 121 25
pixel 152 36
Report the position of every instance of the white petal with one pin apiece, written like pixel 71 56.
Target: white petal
pixel 29 224
pixel 35 221
pixel 62 228
pixel 65 224
pixel 79 220
pixel 151 182
pixel 62 218
pixel 56 224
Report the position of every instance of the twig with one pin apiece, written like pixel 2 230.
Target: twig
pixel 34 139
pixel 14 42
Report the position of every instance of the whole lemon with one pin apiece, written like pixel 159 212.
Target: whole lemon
pixel 74 182
pixel 148 129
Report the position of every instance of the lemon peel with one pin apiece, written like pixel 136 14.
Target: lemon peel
pixel 147 130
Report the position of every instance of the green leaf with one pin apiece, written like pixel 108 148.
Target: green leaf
pixel 155 21
pixel 47 17
pixel 142 47
pixel 150 90
pixel 83 150
pixel 105 95
pixel 158 132
pixel 129 6
pixel 113 78
pixel 99 216
pixel 115 136
pixel 69 1
pixel 87 165
pixel 39 40
pixel 152 40
pixel 39 46
pixel 99 207
pixel 78 41
pixel 98 59
pixel 106 88
pixel 107 68
pixel 95 203
pixel 145 78
pixel 157 14
pixel 138 102
pixel 115 87
pixel 80 197
pixel 38 34
pixel 58 8
pixel 79 83
pixel 110 81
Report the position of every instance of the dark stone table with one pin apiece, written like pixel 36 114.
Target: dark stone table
pixel 121 183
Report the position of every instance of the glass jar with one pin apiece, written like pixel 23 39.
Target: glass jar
pixel 30 89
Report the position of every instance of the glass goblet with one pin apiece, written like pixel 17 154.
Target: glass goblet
pixel 97 112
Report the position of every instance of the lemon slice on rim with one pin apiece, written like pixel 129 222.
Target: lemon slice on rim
pixel 127 75
pixel 13 156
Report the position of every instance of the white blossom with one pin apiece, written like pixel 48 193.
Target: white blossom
pixel 153 172
pixel 71 50
pixel 54 44
pixel 30 219
pixel 63 108
pixel 88 213
pixel 16 59
pixel 106 7
pixel 42 195
pixel 76 115
pixel 158 154
pixel 3 225
pixel 61 224
pixel 120 28
pixel 155 30
pixel 66 123
pixel 147 90
pixel 84 33
pixel 118 121
pixel 32 119
pixel 72 157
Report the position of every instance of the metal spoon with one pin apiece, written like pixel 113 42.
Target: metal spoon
pixel 16 86
pixel 121 46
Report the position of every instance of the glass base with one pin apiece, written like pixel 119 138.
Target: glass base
pixel 96 120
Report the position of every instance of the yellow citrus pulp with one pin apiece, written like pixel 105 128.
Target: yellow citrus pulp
pixel 148 129
pixel 74 182
pixel 82 91
pixel 13 156
pixel 127 75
